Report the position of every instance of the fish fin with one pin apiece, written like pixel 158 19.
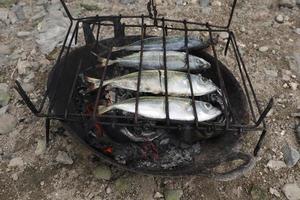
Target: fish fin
pixel 104 109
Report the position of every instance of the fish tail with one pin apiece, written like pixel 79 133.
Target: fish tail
pixel 103 61
pixel 104 109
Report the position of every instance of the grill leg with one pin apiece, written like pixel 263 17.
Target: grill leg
pixel 47 126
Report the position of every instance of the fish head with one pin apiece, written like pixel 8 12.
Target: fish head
pixel 203 83
pixel 207 110
pixel 199 63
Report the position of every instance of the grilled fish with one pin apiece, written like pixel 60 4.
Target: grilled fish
pixel 155 60
pixel 173 43
pixel 180 109
pixel 153 81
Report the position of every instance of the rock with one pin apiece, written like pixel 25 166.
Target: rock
pixel 287 3
pixel 103 172
pixel 291 155
pixel 271 73
pixel 295 64
pixel 224 35
pixel 122 185
pixel 298 2
pixel 7 3
pixel 7 17
pixel 90 5
pixel 63 158
pixel 158 195
pixel 16 162
pixel 297 132
pixel 41 147
pixel 274 192
pixel 263 49
pixel 258 194
pixel 279 18
pixel 173 194
pixel 108 190
pixel 291 191
pixel 23 66
pixel 15 176
pixel 52 30
pixel 216 3
pixel 297 31
pixel 7 123
pixel 204 3
pixel 294 86
pixel 4 95
pixel 3 110
pixel 127 1
pixel 23 34
pixel 4 50
pixel 276 165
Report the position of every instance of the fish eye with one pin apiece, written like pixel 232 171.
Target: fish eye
pixel 208 106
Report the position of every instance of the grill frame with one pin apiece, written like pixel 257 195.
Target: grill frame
pixel 90 23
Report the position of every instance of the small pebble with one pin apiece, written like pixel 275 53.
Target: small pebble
pixel 274 192
pixel 279 18
pixel 291 191
pixel 158 195
pixel 263 49
pixel 63 158
pixel 108 190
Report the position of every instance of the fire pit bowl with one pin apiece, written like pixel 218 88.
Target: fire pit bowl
pixel 214 152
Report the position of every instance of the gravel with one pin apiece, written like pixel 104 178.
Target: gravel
pixel 16 162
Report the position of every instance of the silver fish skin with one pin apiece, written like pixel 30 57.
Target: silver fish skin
pixel 180 109
pixel 153 81
pixel 173 43
pixel 155 60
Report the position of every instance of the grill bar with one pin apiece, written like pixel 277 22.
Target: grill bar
pixel 165 74
pixel 186 41
pixel 143 30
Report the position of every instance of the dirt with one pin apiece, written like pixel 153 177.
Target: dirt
pixel 42 177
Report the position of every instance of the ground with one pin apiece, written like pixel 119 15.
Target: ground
pixel 268 36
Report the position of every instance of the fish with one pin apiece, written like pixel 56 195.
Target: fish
pixel 180 109
pixel 173 43
pixel 155 60
pixel 153 81
pixel 143 137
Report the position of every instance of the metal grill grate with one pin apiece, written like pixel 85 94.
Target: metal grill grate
pixel 90 24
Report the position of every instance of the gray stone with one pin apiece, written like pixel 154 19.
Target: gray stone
pixel 41 147
pixel 63 158
pixel 291 191
pixel 271 73
pixel 297 31
pixel 52 30
pixel 274 192
pixel 3 110
pixel 16 162
pixel 103 172
pixel 276 164
pixel 23 34
pixel 158 195
pixel 4 95
pixel 279 18
pixel 263 49
pixel 127 1
pixel 108 190
pixel 173 194
pixel 258 193
pixel 287 3
pixel 4 50
pixel 291 155
pixel 7 123
pixel 204 3
pixel 297 132
pixel 298 2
